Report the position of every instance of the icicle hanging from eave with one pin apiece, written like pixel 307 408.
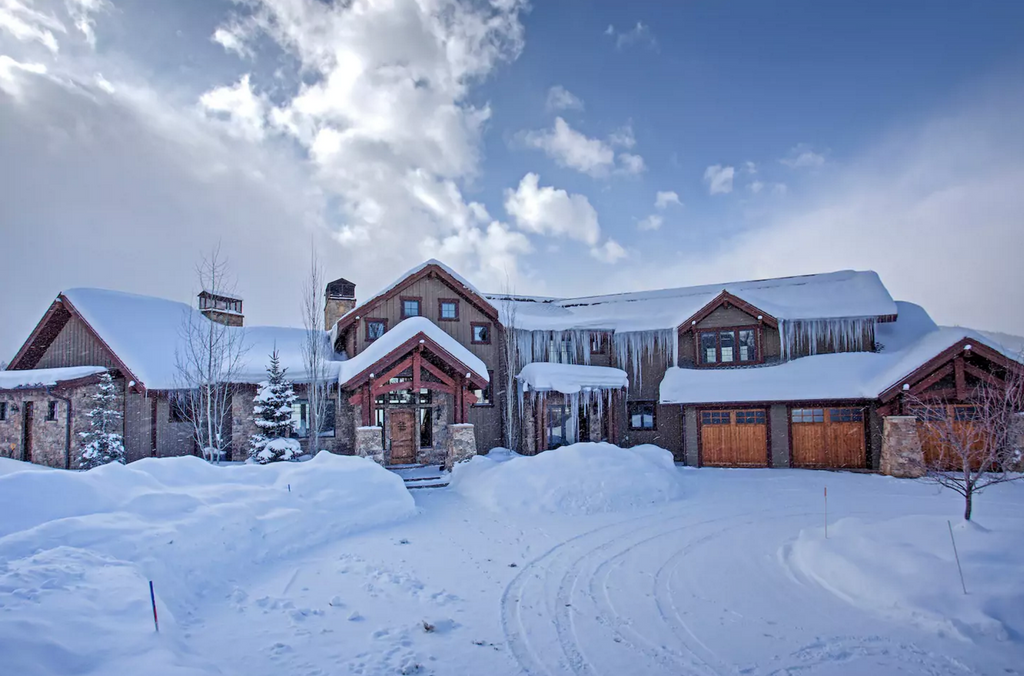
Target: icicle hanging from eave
pixel 633 348
pixel 801 338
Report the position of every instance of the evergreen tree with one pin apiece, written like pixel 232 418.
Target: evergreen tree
pixel 103 443
pixel 272 415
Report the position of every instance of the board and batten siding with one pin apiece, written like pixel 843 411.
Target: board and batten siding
pixel 75 345
pixel 723 317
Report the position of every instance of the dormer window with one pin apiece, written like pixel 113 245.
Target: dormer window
pixel 727 347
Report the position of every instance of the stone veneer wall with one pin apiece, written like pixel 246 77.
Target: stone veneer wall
pixel 901 448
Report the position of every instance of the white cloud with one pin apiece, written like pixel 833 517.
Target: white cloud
pixel 593 156
pixel 652 222
pixel 560 98
pixel 663 199
pixel 802 156
pixel 551 211
pixel 779 189
pixel 639 34
pixel 233 39
pixel 719 179
pixel 243 110
pixel 623 137
pixel 26 24
pixel 11 73
pixel 756 187
pixel 82 11
pixel 751 167
pixel 609 252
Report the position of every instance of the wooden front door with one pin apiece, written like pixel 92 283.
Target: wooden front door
pixel 734 438
pixel 828 437
pixel 403 433
pixel 26 431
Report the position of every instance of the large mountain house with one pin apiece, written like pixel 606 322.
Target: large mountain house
pixel 791 372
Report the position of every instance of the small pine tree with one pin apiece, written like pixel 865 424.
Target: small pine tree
pixel 103 443
pixel 272 415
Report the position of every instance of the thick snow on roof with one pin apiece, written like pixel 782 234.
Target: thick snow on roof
pixel 409 273
pixel 144 332
pixel 402 332
pixel 12 380
pixel 906 344
pixel 571 378
pixel 832 295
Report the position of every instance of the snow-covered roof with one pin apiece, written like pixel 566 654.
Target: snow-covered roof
pixel 402 332
pixel 13 380
pixel 571 378
pixel 145 332
pixel 833 295
pixel 906 345
pixel 409 273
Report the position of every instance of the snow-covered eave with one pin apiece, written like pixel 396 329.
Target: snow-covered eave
pixel 37 379
pixel 570 378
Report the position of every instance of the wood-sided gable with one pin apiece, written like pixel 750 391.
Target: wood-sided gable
pixel 430 271
pixel 60 316
pixel 951 375
pixel 726 301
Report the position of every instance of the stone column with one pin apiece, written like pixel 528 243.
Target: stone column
pixel 369 444
pixel 901 447
pixel 461 444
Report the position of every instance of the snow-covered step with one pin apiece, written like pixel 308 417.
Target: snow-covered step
pixel 421 476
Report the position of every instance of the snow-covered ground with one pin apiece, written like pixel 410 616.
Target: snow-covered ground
pixel 724 572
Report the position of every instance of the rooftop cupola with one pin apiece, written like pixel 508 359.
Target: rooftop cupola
pixel 221 307
pixel 339 299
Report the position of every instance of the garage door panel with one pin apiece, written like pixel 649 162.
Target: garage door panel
pixel 828 437
pixel 728 443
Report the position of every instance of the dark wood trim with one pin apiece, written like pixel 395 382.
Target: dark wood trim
pixel 431 270
pixel 603 342
pixel 366 326
pixel 472 335
pixel 942 358
pixel 406 347
pixel 140 387
pixel 727 299
pixel 419 303
pixel 153 411
pixel 935 377
pixel 440 307
pixel 51 314
pixel 758 331
pixel 980 374
pixel 490 386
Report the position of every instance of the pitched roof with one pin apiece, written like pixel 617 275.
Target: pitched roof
pixel 907 344
pixel 833 295
pixel 36 378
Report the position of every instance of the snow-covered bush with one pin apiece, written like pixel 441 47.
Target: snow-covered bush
pixel 582 478
pixel 272 415
pixel 103 443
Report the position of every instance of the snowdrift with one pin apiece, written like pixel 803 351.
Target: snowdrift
pixel 578 479
pixel 904 569
pixel 77 549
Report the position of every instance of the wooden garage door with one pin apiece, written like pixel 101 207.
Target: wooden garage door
pixel 828 437
pixel 957 421
pixel 735 438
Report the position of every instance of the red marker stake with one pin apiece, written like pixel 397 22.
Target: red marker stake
pixel 826 512
pixel 152 598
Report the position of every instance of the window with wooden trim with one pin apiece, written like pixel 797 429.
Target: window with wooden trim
pixel 598 343
pixel 715 417
pixel 410 307
pixel 808 415
pixel 726 347
pixel 642 415
pixel 51 411
pixel 750 417
pixel 448 309
pixel 838 415
pixel 481 334
pixel 3 411
pixel 558 425
pixel 177 406
pixel 300 418
pixel 483 396
pixel 964 413
pixel 375 328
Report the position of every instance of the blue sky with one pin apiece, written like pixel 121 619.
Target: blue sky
pixel 524 145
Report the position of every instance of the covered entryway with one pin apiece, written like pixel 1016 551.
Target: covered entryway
pixel 734 438
pixel 828 437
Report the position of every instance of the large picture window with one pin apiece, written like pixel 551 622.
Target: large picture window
pixel 725 347
pixel 300 419
pixel 483 397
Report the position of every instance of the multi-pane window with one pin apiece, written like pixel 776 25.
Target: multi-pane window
pixel 808 415
pixel 426 416
pixel 448 310
pixel 3 411
pixel 715 417
pixel 641 415
pixel 483 396
pixel 410 307
pixel 51 410
pixel 300 419
pixel 404 396
pixel 561 352
pixel 750 418
pixel 965 413
pixel 728 346
pixel 846 415
pixel 559 421
pixel 481 333
pixel 598 343
pixel 375 328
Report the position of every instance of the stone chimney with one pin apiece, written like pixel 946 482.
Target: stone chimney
pixel 221 308
pixel 339 299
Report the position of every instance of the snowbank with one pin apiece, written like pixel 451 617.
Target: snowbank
pixel 904 569
pixel 578 479
pixel 79 548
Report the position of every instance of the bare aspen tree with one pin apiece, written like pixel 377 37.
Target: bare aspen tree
pixel 971 447
pixel 510 356
pixel 316 351
pixel 208 359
